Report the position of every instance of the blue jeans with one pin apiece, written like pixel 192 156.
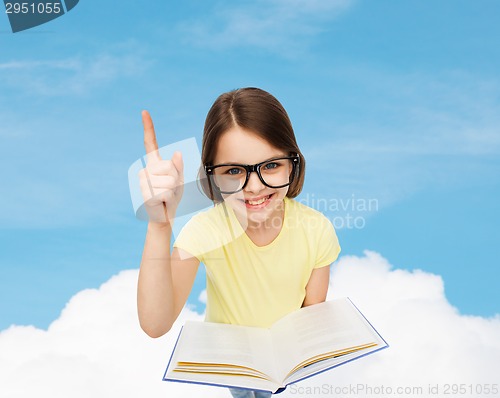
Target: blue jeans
pixel 242 393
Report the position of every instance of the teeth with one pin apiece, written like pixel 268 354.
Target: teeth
pixel 257 202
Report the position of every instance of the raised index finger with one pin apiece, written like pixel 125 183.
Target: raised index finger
pixel 150 143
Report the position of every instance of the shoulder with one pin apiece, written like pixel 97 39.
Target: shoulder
pixel 318 231
pixel 309 218
pixel 197 235
pixel 210 229
pixel 300 207
pixel 206 218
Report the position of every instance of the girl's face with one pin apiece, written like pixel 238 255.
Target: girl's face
pixel 257 204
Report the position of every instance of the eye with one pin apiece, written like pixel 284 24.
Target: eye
pixel 234 171
pixel 271 165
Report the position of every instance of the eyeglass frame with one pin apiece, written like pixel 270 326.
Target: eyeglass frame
pixel 250 168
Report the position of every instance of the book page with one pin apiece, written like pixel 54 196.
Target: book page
pixel 332 326
pixel 224 380
pixel 221 344
pixel 326 364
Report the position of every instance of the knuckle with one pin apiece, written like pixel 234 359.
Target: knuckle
pixel 144 186
pixel 155 168
pixel 170 181
pixel 146 196
pixel 167 165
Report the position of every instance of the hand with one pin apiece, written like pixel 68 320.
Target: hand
pixel 161 181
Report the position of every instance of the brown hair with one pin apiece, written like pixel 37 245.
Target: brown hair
pixel 259 112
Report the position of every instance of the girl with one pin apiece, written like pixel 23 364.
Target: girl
pixel 265 253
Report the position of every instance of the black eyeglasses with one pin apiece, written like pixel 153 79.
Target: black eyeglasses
pixel 277 172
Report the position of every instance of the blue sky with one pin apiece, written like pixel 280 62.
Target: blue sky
pixel 392 101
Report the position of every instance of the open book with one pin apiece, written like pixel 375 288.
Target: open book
pixel 299 345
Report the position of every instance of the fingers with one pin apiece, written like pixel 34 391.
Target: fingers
pixel 163 167
pixel 150 143
pixel 156 189
pixel 151 146
pixel 179 165
pixel 161 181
pixel 158 177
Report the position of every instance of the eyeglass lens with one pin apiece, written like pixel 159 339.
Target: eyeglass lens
pixel 231 178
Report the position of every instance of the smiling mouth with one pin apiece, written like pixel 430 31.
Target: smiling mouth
pixel 259 201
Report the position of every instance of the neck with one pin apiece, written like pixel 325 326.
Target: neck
pixel 272 223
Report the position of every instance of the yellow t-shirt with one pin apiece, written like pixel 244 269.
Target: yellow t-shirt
pixel 257 285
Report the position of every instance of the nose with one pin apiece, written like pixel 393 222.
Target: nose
pixel 254 183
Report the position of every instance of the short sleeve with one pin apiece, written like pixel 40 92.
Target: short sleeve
pixel 208 232
pixel 328 244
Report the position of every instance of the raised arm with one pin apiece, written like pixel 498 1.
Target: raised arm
pixel 165 279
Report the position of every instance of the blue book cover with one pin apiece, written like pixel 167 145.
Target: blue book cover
pixel 302 344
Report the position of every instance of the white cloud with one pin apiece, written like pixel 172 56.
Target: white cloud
pixel 277 25
pixel 31 65
pixel 431 342
pixel 70 76
pixel 411 131
pixel 406 114
pixel 96 348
